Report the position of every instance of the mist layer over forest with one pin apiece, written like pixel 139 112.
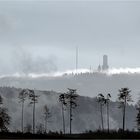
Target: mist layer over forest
pixel 87 84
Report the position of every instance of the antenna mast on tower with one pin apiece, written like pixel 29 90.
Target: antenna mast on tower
pixel 76 59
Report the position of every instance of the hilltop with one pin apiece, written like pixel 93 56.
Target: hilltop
pixel 87 84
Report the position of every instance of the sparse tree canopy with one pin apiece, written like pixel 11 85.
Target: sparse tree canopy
pixel 101 101
pixel 33 100
pixel 101 98
pixel 107 99
pixel 124 97
pixel 71 97
pixel 22 96
pixel 32 96
pixel 62 99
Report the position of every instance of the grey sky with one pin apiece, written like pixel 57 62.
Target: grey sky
pixel 50 30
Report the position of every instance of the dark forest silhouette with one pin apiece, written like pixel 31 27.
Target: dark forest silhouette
pixel 68 103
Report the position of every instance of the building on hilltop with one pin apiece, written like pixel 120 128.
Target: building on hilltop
pixel 105 63
pixel 105 66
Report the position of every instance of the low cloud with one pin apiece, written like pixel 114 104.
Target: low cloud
pixel 26 63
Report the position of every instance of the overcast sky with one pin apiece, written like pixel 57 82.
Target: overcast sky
pixel 39 34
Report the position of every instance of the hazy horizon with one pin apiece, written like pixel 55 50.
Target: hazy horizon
pixel 41 36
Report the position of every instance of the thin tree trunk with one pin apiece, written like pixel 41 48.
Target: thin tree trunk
pixel 34 117
pixel 63 117
pixel 70 117
pixel 108 115
pixel 45 125
pixel 102 118
pixel 22 121
pixel 124 115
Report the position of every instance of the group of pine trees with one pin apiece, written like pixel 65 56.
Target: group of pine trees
pixel 68 102
pixel 124 97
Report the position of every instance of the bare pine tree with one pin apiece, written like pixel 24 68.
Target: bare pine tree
pixel 124 97
pixel 34 100
pixel 107 100
pixel 71 99
pixel 62 99
pixel 22 97
pixel 101 101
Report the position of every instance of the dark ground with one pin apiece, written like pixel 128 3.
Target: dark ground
pixel 88 135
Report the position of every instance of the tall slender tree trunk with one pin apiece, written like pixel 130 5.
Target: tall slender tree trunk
pixel 124 115
pixel 108 115
pixel 34 117
pixel 70 117
pixel 102 117
pixel 63 118
pixel 22 117
pixel 45 125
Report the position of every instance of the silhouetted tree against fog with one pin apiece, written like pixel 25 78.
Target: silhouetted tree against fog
pixel 71 97
pixel 22 96
pixel 34 100
pixel 138 115
pixel 47 115
pixel 62 99
pixel 124 97
pixel 107 100
pixel 4 117
pixel 101 101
